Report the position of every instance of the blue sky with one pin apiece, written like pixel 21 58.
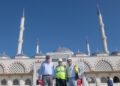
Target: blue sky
pixel 58 23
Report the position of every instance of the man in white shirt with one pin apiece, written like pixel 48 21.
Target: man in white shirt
pixel 71 73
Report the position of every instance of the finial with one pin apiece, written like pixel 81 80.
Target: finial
pixel 98 9
pixel 23 12
pixel 86 38
pixel 4 53
pixel 78 51
pixel 86 41
pixel 37 41
pixel 61 46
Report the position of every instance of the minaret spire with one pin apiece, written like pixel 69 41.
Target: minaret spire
pixel 20 38
pixel 88 47
pixel 37 47
pixel 102 30
pixel 23 12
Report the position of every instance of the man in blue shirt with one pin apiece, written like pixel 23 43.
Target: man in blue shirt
pixel 109 82
pixel 47 72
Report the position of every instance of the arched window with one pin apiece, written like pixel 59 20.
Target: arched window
pixel 27 82
pixel 103 66
pixel 91 80
pixel 3 82
pixel 17 68
pixel 116 79
pixel 103 80
pixel 86 67
pixel 15 82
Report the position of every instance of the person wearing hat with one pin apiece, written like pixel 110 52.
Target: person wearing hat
pixel 60 74
pixel 47 72
pixel 71 72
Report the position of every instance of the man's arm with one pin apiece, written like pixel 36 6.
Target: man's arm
pixel 53 71
pixel 41 70
pixel 66 73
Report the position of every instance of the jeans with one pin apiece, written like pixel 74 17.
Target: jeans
pixel 60 82
pixel 47 80
pixel 72 81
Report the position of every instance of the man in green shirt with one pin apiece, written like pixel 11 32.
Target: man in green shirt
pixel 60 74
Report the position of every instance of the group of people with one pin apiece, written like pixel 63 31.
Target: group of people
pixel 61 73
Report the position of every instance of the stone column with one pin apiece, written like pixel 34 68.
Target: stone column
pixel 9 82
pixel 98 82
pixel 22 83
pixel 84 81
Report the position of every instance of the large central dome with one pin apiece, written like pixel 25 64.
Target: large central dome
pixel 62 49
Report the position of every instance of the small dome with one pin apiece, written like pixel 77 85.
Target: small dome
pixel 115 53
pixel 78 53
pixel 41 55
pixel 4 56
pixel 99 54
pixel 95 53
pixel 62 49
pixel 21 56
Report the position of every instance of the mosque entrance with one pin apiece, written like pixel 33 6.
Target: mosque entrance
pixel 116 79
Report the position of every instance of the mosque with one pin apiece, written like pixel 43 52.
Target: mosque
pixel 96 67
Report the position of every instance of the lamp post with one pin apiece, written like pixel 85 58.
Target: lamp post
pixel 85 83
pixel 34 74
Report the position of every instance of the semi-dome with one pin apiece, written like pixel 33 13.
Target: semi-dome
pixel 115 53
pixel 40 55
pixel 4 56
pixel 78 53
pixel 62 49
pixel 99 54
pixel 95 53
pixel 21 56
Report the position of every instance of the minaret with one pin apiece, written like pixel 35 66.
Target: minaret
pixel 88 48
pixel 20 39
pixel 37 48
pixel 103 36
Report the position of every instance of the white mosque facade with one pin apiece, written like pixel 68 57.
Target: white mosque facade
pixel 21 71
